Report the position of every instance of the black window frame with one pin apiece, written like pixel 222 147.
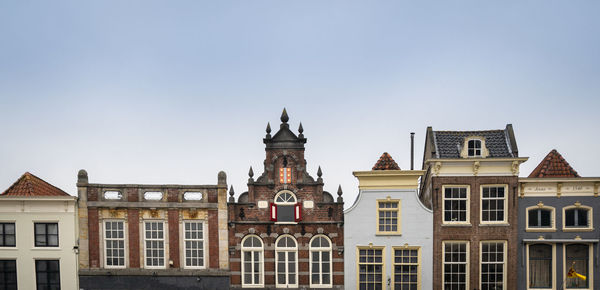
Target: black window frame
pixel 47 284
pixel 538 218
pixel 3 235
pixel 5 283
pixel 46 235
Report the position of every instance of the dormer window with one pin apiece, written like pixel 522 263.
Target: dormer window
pixel 285 208
pixel 474 148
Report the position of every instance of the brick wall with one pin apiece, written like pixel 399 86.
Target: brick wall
pixel 133 217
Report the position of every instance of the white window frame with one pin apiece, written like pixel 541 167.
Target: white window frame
pixel 398 212
pixel 590 214
pixel 164 240
pixel 467 262
pixel 552 227
pixel 505 210
pixel 286 203
pixel 383 265
pixel 254 251
pixel 286 250
pixel 554 274
pixel 125 243
pixel 320 250
pixel 475 148
pixel 418 264
pixel 467 205
pixel 203 240
pixel 504 261
pixel 590 274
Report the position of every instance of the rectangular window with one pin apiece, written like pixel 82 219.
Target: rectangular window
pixel 285 175
pixel 8 274
pixel 47 274
pixel 577 256
pixel 577 217
pixel 388 213
pixel 540 266
pixel 114 243
pixel 455 265
pixel 7 235
pixel 493 204
pixel 456 205
pixel 155 244
pixel 493 265
pixel 194 244
pixel 406 268
pixel 370 268
pixel 46 234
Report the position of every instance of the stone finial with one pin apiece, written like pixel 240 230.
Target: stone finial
pixel 250 172
pixel 319 172
pixel 82 176
pixel 300 130
pixel 268 130
pixel 339 192
pixel 231 193
pixel 222 178
pixel 284 116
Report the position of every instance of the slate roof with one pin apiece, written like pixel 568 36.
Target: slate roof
pixel 448 144
pixel 31 185
pixel 386 162
pixel 554 165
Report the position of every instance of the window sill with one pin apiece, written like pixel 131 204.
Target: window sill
pixel 457 225
pixel 286 223
pixel 541 230
pixel 46 249
pixel 494 225
pixel 8 248
pixel 578 229
pixel 388 234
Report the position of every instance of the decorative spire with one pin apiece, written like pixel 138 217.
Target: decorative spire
pixel 284 116
pixel 319 172
pixel 231 193
pixel 339 192
pixel 251 172
pixel 268 130
pixel 300 129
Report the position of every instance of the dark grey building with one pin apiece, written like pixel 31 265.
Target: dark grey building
pixel 557 213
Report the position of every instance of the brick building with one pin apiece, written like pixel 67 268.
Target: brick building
pixel 140 236
pixel 285 231
pixel 557 213
pixel 471 181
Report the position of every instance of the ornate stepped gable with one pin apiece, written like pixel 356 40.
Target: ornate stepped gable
pixel 553 165
pixel 31 185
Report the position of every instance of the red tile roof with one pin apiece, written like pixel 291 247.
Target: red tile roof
pixel 554 165
pixel 386 162
pixel 31 185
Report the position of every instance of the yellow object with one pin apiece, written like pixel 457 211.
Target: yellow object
pixel 573 274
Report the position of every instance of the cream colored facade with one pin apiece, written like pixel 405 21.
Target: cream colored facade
pixel 24 212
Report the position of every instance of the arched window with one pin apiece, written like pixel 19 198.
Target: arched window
pixel 286 255
pixel 320 261
pixel 474 148
pixel 252 261
pixel 540 218
pixel 285 208
pixel 577 217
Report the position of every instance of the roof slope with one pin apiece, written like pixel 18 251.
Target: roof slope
pixel 31 185
pixel 448 144
pixel 554 165
pixel 386 162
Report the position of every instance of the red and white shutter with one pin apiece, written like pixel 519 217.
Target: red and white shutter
pixel 298 212
pixel 273 212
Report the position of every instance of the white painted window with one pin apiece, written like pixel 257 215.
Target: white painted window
pixel 285 208
pixel 456 204
pixel 455 265
pixel 474 148
pixel 286 264
pixel 193 241
pixel 154 244
pixel 493 204
pixel 320 262
pixel 114 244
pixel 493 265
pixel 252 262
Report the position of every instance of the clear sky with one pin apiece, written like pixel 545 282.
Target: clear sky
pixel 175 91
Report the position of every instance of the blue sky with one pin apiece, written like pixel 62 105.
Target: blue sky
pixel 173 92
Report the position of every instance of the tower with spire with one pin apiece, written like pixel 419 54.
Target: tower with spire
pixel 283 218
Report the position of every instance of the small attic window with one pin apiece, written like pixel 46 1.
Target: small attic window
pixel 474 148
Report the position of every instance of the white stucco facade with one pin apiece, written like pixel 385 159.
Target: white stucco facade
pixel 414 221
pixel 24 212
